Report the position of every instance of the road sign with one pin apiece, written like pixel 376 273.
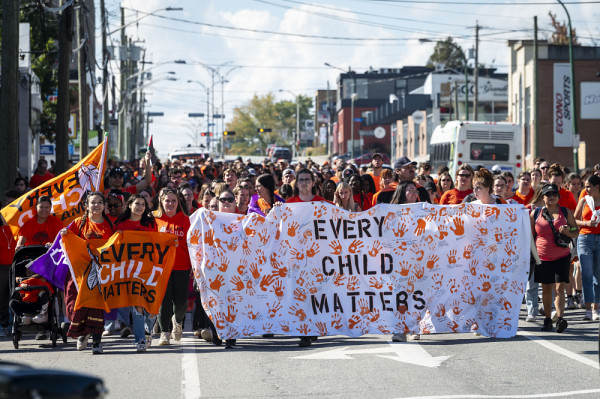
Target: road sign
pixel 418 117
pixel 46 149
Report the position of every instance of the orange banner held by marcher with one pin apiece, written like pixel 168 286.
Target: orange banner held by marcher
pixel 131 269
pixel 66 191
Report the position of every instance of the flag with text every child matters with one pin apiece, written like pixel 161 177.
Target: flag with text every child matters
pixel 316 269
pixel 131 269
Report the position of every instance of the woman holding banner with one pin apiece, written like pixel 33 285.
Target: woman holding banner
pixel 137 217
pixel 265 196
pixel 464 176
pixel 95 228
pixel 42 228
pixel 171 218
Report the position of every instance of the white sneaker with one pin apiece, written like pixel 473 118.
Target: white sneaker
pixel 107 333
pixel 164 339
pixel 588 315
pixel 148 340
pixel 554 316
pixel 97 349
pixel 399 337
pixel 82 342
pixel 40 318
pixel 206 335
pixel 571 303
pixel 530 318
pixel 413 337
pixel 595 315
pixel 177 330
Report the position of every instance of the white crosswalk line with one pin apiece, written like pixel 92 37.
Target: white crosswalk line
pixel 190 383
pixel 558 349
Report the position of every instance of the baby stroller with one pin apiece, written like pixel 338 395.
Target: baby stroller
pixel 23 257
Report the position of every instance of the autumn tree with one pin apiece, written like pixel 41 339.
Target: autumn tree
pixel 561 32
pixel 447 53
pixel 265 112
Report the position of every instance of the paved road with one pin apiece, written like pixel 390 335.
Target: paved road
pixel 531 365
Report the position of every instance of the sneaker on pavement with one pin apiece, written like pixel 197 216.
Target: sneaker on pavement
pixel 561 324
pixel 399 337
pixel 206 335
pixel 571 303
pixel 141 346
pixel 148 339
pixel 554 316
pixel 530 318
pixel 41 335
pixel 40 318
pixel 165 339
pixel 197 333
pixel 413 337
pixel 595 315
pixel 97 348
pixel 107 333
pixel 588 315
pixel 547 324
pixel 125 332
pixel 82 342
pixel 579 300
pixel 177 330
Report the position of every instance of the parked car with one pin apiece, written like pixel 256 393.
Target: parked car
pixel 368 157
pixel 281 153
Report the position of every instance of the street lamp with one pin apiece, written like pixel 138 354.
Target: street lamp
pixel 207 102
pixel 353 98
pixel 465 61
pixel 572 95
pixel 294 141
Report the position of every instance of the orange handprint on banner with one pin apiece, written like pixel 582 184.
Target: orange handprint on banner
pixel 292 229
pixel 376 283
pixel 250 312
pixel 260 256
pixel 321 328
pixel 453 326
pixel 263 236
pixel 441 310
pixel 374 315
pixel 249 232
pixel 299 255
pixel 419 253
pixel 485 283
pixel 468 298
pixel 498 234
pixel 311 287
pixel 336 321
pixel 239 284
pixel 280 271
pixel 437 280
pixel 224 264
pixel 318 276
pixel 505 265
pixel 278 289
pixel 404 268
pixel 314 248
pixel 468 251
pixel 431 263
pixel 298 312
pixel 459 226
pixel 505 303
pixel 266 281
pixel 231 313
pixel 285 327
pixel 320 211
pixel 453 286
pixel 355 246
pixel 336 247
pixel 219 320
pixel 510 250
pixel 473 267
pixel 338 280
pixel 471 211
pixel 303 329
pixel 227 229
pixel 512 216
pixel 442 231
pixel 195 237
pixel 410 284
pixel 250 288
pixel 299 295
pixel 233 245
pixel 363 306
pixel 352 283
pixel 217 283
pixel 376 248
pixel 492 211
pixel 301 278
pixel 255 271
pixel 209 237
pixel 353 321
pixel 246 248
pixel 421 224
pixel 400 231
pixel 451 257
pixel 273 309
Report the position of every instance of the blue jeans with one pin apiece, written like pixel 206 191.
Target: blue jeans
pixel 588 247
pixel 122 316
pixel 142 322
pixel 531 297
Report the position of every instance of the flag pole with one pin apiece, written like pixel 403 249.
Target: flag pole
pixel 102 164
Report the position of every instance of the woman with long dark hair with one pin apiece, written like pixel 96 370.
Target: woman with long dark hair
pixel 363 199
pixel 262 202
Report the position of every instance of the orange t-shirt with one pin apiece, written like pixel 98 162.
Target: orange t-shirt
pixel 92 231
pixel 567 199
pixel 454 196
pixel 377 180
pixel 32 296
pixel 586 214
pixel 40 234
pixel 130 225
pixel 523 199
pixel 177 225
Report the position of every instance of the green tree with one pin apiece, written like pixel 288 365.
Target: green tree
pixel 264 112
pixel 447 53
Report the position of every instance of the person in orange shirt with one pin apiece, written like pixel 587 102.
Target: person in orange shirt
pixel 464 177
pixel 556 176
pixel 41 174
pixel 171 219
pixel 7 251
pixel 377 166
pixel 524 193
pixel 42 228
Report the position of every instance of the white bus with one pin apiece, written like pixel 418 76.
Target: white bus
pixel 188 154
pixel 477 143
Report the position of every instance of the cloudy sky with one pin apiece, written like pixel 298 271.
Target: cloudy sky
pixel 262 46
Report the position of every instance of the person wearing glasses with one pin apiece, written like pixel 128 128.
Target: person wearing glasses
pixel 483 186
pixel 227 202
pixel 171 218
pixel 553 272
pixel 464 177
pixel 444 183
pixel 544 167
pixel 305 188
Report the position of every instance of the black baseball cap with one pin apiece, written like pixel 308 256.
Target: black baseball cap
pixel 116 171
pixel 402 162
pixel 550 188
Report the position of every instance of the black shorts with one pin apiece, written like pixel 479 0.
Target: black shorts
pixel 553 271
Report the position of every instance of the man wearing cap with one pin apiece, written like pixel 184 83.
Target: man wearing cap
pixel 288 176
pixel 376 165
pixel 404 169
pixel 116 175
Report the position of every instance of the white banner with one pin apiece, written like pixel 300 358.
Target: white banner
pixel 590 100
pixel 562 111
pixel 315 269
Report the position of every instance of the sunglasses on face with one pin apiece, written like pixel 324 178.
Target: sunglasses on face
pixel 545 167
pixel 466 176
pixel 113 205
pixel 226 199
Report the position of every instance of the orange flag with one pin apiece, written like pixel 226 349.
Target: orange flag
pixel 131 269
pixel 65 190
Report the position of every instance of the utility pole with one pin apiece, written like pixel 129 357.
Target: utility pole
pixel 65 40
pixel 123 103
pixel 105 114
pixel 476 72
pixel 84 123
pixel 535 88
pixel 9 122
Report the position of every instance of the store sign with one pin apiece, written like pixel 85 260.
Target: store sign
pixel 590 100
pixel 562 110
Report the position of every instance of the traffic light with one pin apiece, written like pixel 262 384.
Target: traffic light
pixel 229 133
pixel 263 130
pixel 204 134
